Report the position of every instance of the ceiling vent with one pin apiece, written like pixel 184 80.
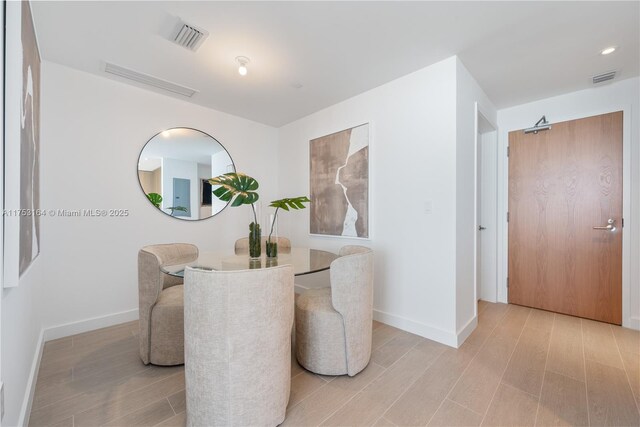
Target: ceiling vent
pixel 604 77
pixel 189 36
pixel 148 80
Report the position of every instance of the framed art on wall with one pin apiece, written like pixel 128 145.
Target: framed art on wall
pixel 22 144
pixel 339 183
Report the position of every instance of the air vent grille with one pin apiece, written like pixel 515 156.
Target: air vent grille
pixel 189 36
pixel 601 78
pixel 148 80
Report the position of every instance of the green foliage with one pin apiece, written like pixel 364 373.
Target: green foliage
pixel 293 203
pixel 238 187
pixel 286 203
pixel 155 199
pixel 177 208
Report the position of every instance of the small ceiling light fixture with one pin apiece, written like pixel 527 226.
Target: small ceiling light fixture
pixel 608 50
pixel 166 133
pixel 242 65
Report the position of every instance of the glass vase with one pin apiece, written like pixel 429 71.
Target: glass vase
pixel 255 232
pixel 271 245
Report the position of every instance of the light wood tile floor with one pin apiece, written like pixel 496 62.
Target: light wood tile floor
pixel 519 367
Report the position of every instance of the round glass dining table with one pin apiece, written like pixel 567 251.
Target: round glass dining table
pixel 303 260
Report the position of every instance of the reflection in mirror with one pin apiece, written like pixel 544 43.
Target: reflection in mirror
pixel 174 167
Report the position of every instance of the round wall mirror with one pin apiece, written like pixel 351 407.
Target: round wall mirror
pixel 174 168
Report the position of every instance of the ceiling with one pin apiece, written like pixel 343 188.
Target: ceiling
pixel 181 144
pixel 517 51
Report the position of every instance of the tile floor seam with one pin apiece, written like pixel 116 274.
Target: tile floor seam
pixel 517 389
pixel 469 364
pixel 306 397
pixel 505 369
pixel 87 377
pixel 565 375
pixel 624 369
pixel 383 343
pixel 362 389
pixel 350 399
pixel 171 406
pixel 130 392
pixel 387 420
pixel 140 409
pixel 544 372
pixel 417 377
pixel 37 408
pixel 462 406
pixel 586 383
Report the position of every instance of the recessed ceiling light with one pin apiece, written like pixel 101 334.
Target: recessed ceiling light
pixel 608 50
pixel 242 65
pixel 166 133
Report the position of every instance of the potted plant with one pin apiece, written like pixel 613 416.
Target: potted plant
pixel 240 189
pixel 293 203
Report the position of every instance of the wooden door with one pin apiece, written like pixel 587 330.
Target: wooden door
pixel 563 182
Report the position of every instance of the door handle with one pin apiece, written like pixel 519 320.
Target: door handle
pixel 609 225
pixel 480 228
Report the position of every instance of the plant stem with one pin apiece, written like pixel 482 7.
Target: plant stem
pixel 255 218
pixel 273 224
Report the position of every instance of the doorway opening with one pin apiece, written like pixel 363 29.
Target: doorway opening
pixel 486 208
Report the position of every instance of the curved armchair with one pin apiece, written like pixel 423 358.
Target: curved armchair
pixel 160 300
pixel 238 345
pixel 242 245
pixel 333 325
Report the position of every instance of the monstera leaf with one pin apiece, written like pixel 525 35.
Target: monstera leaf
pixel 286 204
pixel 177 208
pixel 238 187
pixel 294 203
pixel 155 199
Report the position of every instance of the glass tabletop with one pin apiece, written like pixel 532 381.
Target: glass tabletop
pixel 303 260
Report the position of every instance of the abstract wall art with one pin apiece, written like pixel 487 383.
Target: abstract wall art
pixel 22 143
pixel 339 183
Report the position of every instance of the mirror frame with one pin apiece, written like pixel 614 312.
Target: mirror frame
pixel 145 194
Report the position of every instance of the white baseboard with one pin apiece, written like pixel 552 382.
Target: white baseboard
pixel 418 328
pixel 27 401
pixel 60 331
pixel 634 323
pixel 466 330
pixel 72 328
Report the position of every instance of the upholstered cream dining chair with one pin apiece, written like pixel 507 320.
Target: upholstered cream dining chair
pixel 237 327
pixel 242 245
pixel 160 299
pixel 333 325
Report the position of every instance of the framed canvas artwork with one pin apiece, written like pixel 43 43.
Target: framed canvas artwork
pixel 22 143
pixel 339 183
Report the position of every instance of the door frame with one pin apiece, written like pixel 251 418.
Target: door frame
pixel 568 114
pixel 479 111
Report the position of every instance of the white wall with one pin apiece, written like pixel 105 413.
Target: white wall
pixel 623 95
pixel 413 161
pixel 20 324
pixel 21 335
pixel 92 132
pixel 468 94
